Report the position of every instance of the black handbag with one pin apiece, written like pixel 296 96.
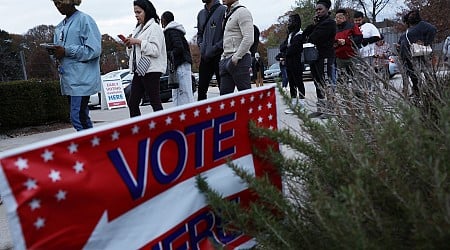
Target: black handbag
pixel 310 53
pixel 174 81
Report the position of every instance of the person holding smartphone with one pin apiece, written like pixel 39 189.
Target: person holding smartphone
pixel 146 44
pixel 77 48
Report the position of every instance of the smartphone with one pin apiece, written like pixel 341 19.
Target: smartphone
pixel 122 37
pixel 48 45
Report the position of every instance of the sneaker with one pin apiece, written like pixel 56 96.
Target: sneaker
pixel 315 114
pixel 324 116
pixel 289 111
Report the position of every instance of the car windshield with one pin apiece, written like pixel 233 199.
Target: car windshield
pixel 119 74
pixel 274 66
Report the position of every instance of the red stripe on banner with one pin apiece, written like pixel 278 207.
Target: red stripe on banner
pixel 81 190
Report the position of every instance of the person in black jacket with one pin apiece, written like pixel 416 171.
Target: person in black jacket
pixel 292 48
pixel 178 54
pixel 210 42
pixel 322 34
pixel 418 32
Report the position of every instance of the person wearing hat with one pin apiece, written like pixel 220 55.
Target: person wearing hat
pixel 78 45
pixel 322 34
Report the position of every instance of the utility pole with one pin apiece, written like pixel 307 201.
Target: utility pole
pixel 24 69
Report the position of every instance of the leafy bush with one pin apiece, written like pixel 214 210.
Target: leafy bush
pixel 28 103
pixel 373 176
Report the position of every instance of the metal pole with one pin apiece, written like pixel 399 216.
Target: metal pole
pixel 24 69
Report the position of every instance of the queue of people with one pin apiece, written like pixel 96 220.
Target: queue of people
pixel 226 39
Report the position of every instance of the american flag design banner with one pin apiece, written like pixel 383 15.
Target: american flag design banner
pixel 131 184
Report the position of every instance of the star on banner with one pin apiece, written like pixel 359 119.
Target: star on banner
pixel 47 155
pixel 21 163
pixel 73 148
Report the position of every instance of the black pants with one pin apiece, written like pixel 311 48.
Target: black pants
pixel 318 70
pixel 295 76
pixel 235 76
pixel 413 67
pixel 206 71
pixel 144 84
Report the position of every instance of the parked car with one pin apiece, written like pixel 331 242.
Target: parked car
pixel 272 72
pixel 126 77
pixel 275 72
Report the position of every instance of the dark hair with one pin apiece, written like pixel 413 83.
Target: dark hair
pixel 342 11
pixel 413 17
pixel 149 9
pixel 168 16
pixel 296 19
pixel 358 14
pixel 326 3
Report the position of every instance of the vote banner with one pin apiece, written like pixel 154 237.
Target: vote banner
pixel 132 184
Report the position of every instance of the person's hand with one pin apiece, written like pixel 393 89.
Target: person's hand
pixel 132 41
pixel 364 42
pixel 234 60
pixel 341 41
pixel 60 52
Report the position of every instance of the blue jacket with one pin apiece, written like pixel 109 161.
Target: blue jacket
pixel 82 41
pixel 210 39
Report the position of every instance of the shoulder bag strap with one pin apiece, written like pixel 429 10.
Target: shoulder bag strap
pixel 407 37
pixel 228 17
pixel 211 12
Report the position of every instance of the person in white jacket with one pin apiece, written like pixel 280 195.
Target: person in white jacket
pixel 146 48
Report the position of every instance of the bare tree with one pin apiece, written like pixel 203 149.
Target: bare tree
pixel 370 8
pixel 435 12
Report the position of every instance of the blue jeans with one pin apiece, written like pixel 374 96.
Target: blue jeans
pixel 284 76
pixel 79 112
pixel 183 94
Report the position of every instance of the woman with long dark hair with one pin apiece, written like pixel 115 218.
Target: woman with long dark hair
pixel 148 58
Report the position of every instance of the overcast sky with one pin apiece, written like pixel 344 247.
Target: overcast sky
pixel 116 16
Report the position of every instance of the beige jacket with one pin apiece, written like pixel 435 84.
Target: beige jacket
pixel 238 34
pixel 153 45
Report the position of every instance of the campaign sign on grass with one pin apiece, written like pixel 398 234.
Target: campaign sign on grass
pixel 113 94
pixel 131 184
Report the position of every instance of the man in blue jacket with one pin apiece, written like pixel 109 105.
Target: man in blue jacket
pixel 210 41
pixel 77 51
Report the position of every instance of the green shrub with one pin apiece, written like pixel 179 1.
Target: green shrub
pixel 29 103
pixel 374 176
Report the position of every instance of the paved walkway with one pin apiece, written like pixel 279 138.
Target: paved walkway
pixel 100 117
